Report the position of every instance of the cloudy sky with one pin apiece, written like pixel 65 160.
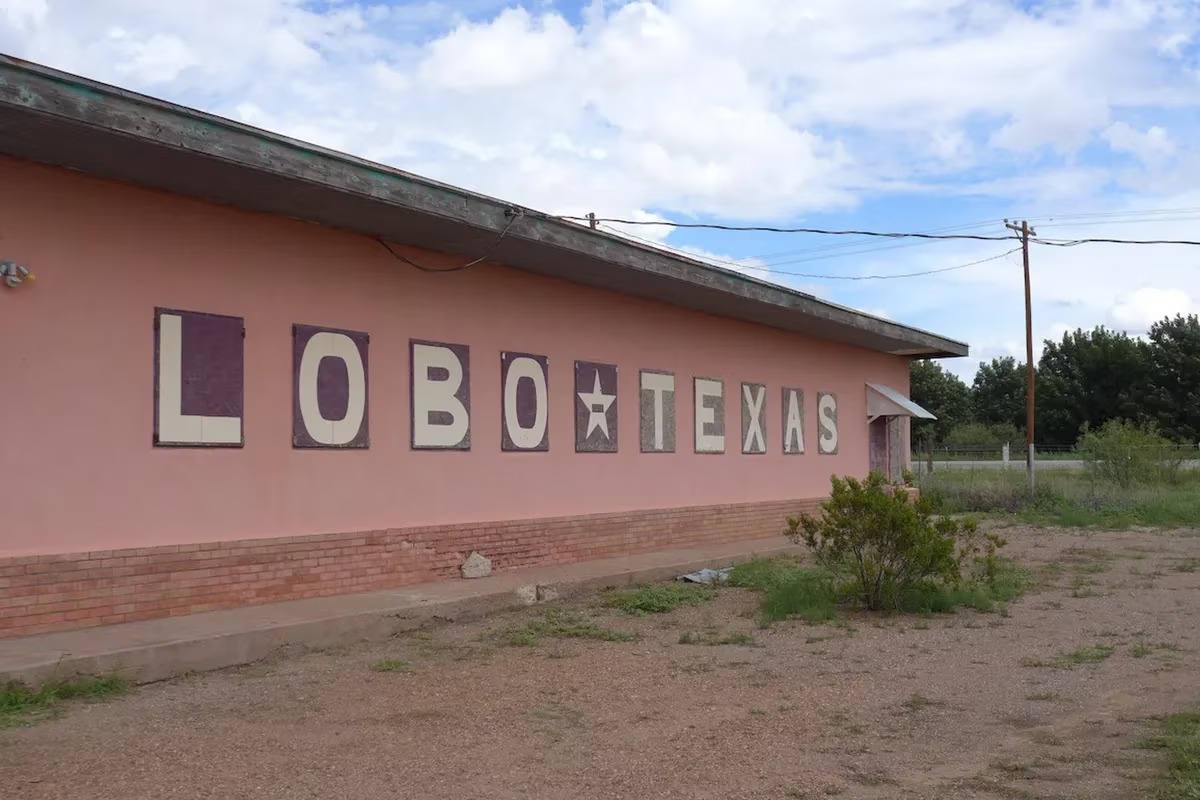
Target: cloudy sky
pixel 909 115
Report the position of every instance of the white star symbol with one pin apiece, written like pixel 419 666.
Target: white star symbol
pixel 597 403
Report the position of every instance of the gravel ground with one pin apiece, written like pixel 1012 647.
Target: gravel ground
pixel 952 706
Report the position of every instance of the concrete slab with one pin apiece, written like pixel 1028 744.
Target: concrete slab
pixel 164 648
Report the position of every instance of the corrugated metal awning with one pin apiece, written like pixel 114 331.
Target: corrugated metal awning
pixel 884 401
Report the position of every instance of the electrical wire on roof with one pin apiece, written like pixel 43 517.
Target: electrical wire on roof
pixel 513 215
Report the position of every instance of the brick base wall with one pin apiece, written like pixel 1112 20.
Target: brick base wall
pixel 46 593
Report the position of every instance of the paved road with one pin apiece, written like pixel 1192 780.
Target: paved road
pixel 1019 464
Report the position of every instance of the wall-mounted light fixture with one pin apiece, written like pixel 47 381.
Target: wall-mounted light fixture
pixel 14 274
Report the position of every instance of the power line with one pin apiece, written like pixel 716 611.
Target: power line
pixel 731 264
pixel 1119 214
pixel 888 277
pixel 740 263
pixel 887 235
pixel 1076 242
pixel 769 229
pixel 1138 221
pixel 866 245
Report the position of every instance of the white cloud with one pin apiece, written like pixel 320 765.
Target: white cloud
pixel 515 49
pixel 1151 145
pixel 24 14
pixel 154 60
pixel 751 110
pixel 763 110
pixel 1138 310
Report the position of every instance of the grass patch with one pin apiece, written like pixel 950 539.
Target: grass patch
pixel 1180 739
pixel 764 573
pixel 1007 583
pixel 713 640
pixel 807 594
pixel 1142 649
pixel 917 702
pixel 391 665
pixel 813 594
pixel 1188 565
pixel 1084 655
pixel 657 598
pixel 22 705
pixel 1042 696
pixel 1087 655
pixel 1068 498
pixel 559 623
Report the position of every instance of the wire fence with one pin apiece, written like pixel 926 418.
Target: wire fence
pixel 1013 455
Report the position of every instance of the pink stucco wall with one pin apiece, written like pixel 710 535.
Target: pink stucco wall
pixel 76 379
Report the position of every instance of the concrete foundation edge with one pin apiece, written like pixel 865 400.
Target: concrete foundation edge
pixel 161 661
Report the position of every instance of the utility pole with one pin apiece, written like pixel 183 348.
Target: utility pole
pixel 1030 379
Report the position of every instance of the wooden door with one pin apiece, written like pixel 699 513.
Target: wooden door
pixel 878 439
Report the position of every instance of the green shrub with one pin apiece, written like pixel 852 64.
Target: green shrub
pixel 657 598
pixel 1124 453
pixel 885 546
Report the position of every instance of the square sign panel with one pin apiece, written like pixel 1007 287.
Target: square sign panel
pixel 329 388
pixel 595 407
pixel 440 391
pixel 199 379
pixel 524 402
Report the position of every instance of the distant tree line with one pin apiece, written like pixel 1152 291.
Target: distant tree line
pixel 1083 381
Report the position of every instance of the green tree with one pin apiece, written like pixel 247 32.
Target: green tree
pixel 999 393
pixel 1173 380
pixel 943 394
pixel 1088 379
pixel 978 436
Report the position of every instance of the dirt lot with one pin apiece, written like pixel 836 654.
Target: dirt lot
pixel 967 705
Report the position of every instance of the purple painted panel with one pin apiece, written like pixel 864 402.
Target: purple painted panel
pixel 207 375
pixel 212 365
pixel 333 388
pixel 595 407
pixel 524 402
pixel 439 394
pixel 336 393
